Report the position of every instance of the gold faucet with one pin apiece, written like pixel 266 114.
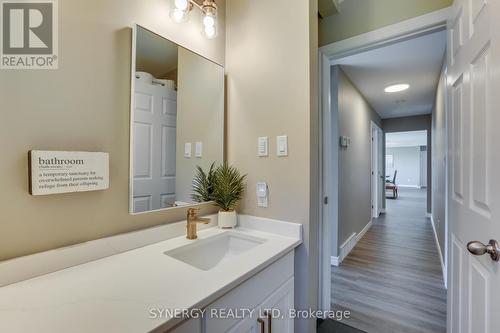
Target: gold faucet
pixel 192 219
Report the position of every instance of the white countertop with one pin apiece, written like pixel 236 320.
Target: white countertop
pixel 116 293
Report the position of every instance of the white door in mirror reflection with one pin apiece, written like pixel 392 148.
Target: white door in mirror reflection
pixel 155 114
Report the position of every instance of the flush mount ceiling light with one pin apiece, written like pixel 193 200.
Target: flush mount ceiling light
pixel 397 88
pixel 180 13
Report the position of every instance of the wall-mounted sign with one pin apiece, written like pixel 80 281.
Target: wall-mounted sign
pixel 53 172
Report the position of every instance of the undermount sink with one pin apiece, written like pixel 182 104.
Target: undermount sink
pixel 207 253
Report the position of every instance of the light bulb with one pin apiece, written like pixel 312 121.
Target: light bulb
pixel 210 31
pixel 178 15
pixel 181 4
pixel 208 21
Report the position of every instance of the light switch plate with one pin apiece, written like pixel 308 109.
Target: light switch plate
pixel 262 193
pixel 198 150
pixel 282 145
pixel 187 150
pixel 345 141
pixel 263 146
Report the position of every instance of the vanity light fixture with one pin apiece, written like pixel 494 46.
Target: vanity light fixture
pixel 181 9
pixel 397 88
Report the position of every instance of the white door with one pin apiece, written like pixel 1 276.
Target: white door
pixel 474 183
pixel 155 116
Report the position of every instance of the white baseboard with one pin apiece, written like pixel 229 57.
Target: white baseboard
pixel 363 232
pixel 440 253
pixel 408 186
pixel 349 244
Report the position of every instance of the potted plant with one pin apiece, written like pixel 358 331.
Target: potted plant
pixel 203 184
pixel 228 190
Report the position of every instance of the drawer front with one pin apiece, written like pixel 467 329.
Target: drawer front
pixel 249 295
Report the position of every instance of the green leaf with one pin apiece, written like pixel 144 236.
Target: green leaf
pixel 229 187
pixel 203 184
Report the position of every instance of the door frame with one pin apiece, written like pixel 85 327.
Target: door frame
pixel 376 155
pixel 328 54
pixel 423 168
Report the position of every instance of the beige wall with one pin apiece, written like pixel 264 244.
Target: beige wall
pixel 271 90
pixel 200 118
pixel 84 105
pixel 356 17
pixel 267 66
pixel 355 117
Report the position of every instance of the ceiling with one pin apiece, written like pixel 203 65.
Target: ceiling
pixel 406 139
pixel 417 61
pixel 155 54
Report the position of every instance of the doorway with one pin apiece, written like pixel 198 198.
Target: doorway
pixel 406 165
pixel 364 242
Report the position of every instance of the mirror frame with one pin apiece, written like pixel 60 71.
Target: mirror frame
pixel 131 120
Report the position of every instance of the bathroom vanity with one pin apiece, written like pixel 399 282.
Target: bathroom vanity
pixel 234 277
pixel 260 304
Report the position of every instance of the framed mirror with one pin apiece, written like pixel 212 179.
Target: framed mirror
pixel 176 122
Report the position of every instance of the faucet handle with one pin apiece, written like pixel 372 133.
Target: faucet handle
pixel 191 212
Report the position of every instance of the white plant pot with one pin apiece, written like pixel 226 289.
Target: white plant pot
pixel 227 219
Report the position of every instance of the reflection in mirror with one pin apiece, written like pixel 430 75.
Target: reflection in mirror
pixel 177 122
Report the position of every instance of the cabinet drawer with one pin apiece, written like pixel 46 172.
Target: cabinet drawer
pixel 249 294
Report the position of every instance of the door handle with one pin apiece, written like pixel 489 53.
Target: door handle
pixel 262 324
pixel 269 321
pixel 478 249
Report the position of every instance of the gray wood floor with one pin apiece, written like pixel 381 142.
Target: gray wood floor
pixel 392 280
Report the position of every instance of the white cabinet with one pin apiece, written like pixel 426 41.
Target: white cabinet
pixel 260 304
pixel 276 309
pixel 272 315
pixel 255 295
pixel 249 325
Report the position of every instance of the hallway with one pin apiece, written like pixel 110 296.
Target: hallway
pixel 392 280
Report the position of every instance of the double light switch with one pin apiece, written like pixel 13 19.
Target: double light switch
pixel 198 149
pixel 281 146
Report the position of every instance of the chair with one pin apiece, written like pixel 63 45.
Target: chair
pixel 391 185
